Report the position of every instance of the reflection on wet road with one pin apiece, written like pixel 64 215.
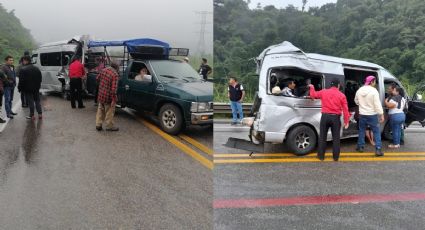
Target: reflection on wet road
pixel 60 173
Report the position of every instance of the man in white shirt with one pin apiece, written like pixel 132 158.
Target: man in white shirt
pixel 370 109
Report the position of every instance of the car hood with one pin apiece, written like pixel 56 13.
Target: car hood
pixel 190 91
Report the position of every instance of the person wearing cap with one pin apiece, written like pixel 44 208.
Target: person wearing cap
pixel 334 103
pixel 371 114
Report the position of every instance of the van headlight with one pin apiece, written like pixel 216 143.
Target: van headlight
pixel 200 107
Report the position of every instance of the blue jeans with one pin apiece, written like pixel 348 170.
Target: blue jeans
pixel 373 123
pixel 396 120
pixel 236 109
pixel 8 97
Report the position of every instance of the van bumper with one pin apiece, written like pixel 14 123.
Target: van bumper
pixel 201 118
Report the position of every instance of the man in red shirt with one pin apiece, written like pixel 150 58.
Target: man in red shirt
pixel 107 97
pixel 76 74
pixel 334 103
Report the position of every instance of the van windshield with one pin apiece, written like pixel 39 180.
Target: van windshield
pixel 167 71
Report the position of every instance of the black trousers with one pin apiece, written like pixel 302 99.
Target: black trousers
pixel 76 87
pixel 329 121
pixel 33 98
pixel 24 100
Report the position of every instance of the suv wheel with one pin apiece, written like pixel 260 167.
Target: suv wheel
pixel 170 119
pixel 301 140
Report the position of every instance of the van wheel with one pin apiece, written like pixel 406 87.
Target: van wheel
pixel 387 134
pixel 301 140
pixel 170 119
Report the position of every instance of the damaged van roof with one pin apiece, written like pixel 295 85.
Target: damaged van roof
pixel 287 47
pixel 345 61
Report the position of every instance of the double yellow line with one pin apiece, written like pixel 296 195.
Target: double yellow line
pixel 291 158
pixel 183 147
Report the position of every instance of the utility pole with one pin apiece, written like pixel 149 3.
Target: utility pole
pixel 201 43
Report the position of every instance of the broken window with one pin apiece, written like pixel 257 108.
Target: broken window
pixel 292 82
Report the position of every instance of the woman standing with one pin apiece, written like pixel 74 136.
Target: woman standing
pixel 396 104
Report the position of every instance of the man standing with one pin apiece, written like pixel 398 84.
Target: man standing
pixel 205 69
pixel 236 95
pixel 9 85
pixel 334 103
pixel 370 108
pixel 23 99
pixel 29 85
pixel 107 97
pixel 76 74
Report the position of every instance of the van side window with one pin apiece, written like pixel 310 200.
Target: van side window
pixel 51 59
pixel 292 82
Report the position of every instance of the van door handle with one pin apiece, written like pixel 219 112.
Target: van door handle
pixel 127 87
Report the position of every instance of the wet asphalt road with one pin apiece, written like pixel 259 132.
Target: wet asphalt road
pixel 256 181
pixel 60 173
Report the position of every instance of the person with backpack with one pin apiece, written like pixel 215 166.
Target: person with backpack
pixel 236 95
pixel 396 104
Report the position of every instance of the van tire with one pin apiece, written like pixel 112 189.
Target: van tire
pixel 171 119
pixel 301 136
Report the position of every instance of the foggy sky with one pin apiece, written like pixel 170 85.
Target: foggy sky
pixel 283 3
pixel 175 22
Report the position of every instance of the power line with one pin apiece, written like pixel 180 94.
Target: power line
pixel 201 43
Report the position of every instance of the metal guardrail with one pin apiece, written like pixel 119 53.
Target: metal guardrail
pixel 224 108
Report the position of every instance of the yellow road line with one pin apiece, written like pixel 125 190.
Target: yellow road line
pixel 197 144
pixel 204 161
pixel 237 155
pixel 295 160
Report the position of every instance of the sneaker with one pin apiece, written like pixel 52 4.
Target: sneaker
pixel 233 123
pixel 401 142
pixel 360 149
pixel 379 153
pixel 10 116
pixel 112 129
pixel 81 107
pixel 30 117
pixel 99 128
pixel 40 117
pixel 391 146
pixel 14 114
pixel 2 121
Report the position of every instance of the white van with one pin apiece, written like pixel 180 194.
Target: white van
pixel 295 120
pixel 53 60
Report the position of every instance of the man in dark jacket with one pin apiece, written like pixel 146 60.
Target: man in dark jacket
pixel 9 85
pixel 29 84
pixel 23 99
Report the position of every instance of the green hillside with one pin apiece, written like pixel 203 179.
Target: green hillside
pixel 390 33
pixel 14 38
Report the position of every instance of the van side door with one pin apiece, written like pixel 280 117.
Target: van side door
pixel 416 110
